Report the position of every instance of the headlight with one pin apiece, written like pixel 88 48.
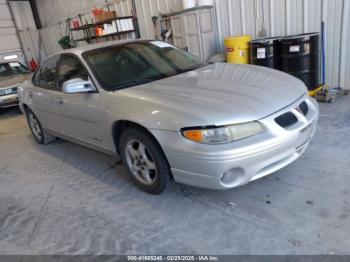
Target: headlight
pixel 3 92
pixel 8 91
pixel 222 135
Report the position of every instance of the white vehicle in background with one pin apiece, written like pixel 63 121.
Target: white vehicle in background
pixel 12 74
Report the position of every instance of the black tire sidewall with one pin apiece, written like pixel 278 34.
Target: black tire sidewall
pixel 163 174
pixel 42 140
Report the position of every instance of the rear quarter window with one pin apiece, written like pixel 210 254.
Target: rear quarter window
pixel 36 77
pixel 45 77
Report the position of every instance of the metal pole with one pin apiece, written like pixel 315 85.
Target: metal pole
pixel 323 58
pixel 135 19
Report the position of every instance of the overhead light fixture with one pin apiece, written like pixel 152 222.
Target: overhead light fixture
pixel 10 57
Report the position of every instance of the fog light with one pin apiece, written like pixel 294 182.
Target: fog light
pixel 233 176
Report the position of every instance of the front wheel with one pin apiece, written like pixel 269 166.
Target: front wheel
pixel 40 135
pixel 144 161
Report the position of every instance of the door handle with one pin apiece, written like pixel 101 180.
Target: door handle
pixel 60 100
pixel 30 95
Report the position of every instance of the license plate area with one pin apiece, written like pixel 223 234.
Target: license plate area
pixel 305 135
pixel 307 131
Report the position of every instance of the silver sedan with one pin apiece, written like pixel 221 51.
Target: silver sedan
pixel 169 116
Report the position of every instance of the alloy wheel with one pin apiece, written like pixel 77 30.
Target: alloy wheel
pixel 140 162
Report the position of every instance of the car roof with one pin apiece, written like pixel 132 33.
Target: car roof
pixel 82 49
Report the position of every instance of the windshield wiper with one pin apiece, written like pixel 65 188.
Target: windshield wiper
pixel 181 71
pixel 136 82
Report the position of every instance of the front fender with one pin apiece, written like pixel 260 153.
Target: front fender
pixel 149 114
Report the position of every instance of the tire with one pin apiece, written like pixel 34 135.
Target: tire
pixel 39 134
pixel 144 161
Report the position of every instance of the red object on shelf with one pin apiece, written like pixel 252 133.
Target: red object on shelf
pixel 97 11
pixel 76 23
pixel 33 65
pixel 99 31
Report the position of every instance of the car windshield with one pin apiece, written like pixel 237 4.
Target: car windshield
pixel 122 66
pixel 12 68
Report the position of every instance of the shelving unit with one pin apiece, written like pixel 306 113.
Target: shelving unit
pixel 89 29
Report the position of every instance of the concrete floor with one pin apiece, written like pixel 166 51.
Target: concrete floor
pixel 66 199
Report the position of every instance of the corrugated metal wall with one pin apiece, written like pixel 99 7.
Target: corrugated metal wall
pixel 148 8
pixel 278 17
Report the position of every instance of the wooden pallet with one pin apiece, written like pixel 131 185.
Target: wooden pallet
pixel 330 96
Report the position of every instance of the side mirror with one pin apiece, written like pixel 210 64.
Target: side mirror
pixel 77 85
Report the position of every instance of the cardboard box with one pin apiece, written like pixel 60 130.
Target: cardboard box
pixel 105 15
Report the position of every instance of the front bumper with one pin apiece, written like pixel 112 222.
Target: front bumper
pixel 8 100
pixel 238 163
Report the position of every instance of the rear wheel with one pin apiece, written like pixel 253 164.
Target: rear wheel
pixel 144 161
pixel 40 135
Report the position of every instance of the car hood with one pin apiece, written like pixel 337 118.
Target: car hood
pixel 14 81
pixel 221 94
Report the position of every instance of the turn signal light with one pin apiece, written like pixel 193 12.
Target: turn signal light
pixel 194 135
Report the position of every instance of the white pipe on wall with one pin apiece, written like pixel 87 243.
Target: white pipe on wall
pixel 243 17
pixel 344 60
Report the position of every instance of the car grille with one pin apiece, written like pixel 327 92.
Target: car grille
pixel 304 108
pixel 286 120
pixel 289 119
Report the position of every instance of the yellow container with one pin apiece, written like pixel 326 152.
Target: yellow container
pixel 237 49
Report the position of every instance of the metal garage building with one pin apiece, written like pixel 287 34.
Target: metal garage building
pixel 234 17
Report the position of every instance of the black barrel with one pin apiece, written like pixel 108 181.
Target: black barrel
pixel 266 52
pixel 301 58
